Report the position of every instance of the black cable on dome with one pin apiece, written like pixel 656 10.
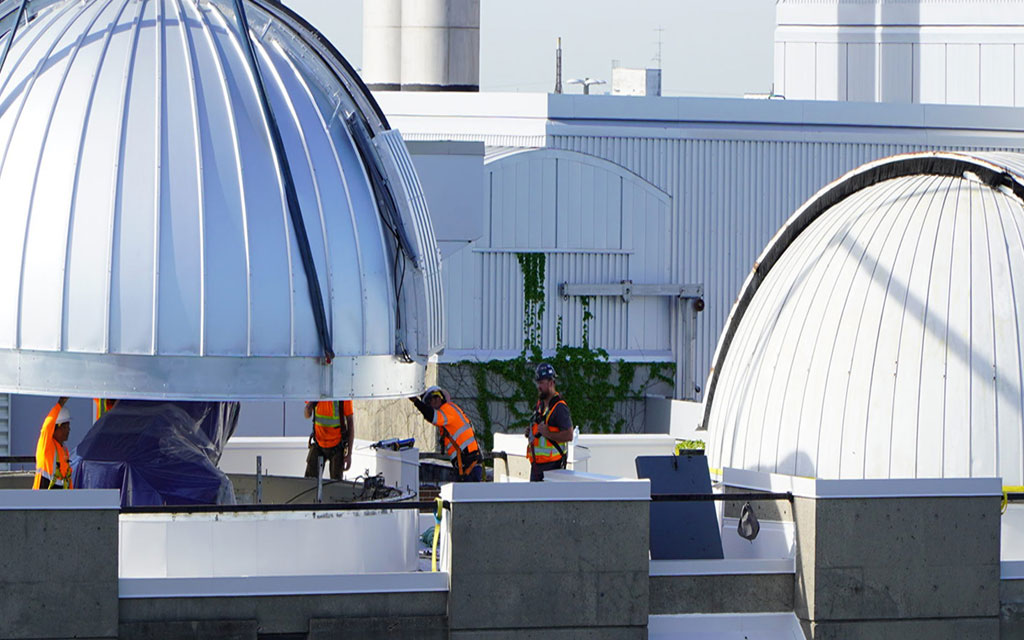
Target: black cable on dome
pixel 316 298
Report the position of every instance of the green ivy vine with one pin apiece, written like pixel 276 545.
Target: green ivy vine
pixel 588 380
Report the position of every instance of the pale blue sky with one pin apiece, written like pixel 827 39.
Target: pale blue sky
pixel 709 47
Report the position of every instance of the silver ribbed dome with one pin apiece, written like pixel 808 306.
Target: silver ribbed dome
pixel 880 333
pixel 161 179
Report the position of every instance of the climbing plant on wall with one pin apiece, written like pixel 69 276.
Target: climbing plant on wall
pixel 590 382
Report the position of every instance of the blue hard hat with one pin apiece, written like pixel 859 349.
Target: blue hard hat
pixel 545 372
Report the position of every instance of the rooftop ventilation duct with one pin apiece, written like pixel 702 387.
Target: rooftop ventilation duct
pixel 197 210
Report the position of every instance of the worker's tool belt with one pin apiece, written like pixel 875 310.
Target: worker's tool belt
pixel 469 462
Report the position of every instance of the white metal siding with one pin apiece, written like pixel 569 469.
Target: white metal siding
pixel 730 198
pixel 595 223
pixel 734 170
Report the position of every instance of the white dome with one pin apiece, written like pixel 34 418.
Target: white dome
pixel 147 243
pixel 879 334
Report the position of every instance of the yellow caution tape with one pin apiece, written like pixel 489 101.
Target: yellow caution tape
pixel 1006 491
pixel 437 534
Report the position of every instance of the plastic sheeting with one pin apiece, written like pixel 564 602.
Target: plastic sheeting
pixel 159 453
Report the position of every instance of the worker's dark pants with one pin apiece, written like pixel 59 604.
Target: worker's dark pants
pixel 334 455
pixel 537 470
pixel 476 475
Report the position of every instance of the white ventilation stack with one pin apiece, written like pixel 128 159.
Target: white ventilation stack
pixel 382 44
pixel 421 45
pixel 922 51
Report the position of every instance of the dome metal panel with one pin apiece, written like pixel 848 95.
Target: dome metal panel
pixel 879 334
pixel 146 230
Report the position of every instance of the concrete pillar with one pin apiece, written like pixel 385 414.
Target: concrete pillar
pixel 562 559
pixel 918 560
pixel 441 45
pixel 58 564
pixel 382 44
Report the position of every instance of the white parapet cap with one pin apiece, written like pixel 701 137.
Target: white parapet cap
pixel 722 567
pixel 558 486
pixel 76 500
pixel 243 586
pixel 862 488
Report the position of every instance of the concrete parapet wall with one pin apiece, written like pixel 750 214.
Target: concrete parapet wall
pixel 604 633
pixel 572 565
pixel 930 562
pixel 58 564
pixel 316 615
pixel 721 594
pixel 1011 608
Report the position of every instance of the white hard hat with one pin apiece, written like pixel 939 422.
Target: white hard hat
pixel 436 390
pixel 63 416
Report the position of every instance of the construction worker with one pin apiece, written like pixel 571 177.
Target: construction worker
pixel 53 464
pixel 457 436
pixel 333 433
pixel 102 406
pixel 551 431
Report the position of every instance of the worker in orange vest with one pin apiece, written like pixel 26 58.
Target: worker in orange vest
pixel 551 429
pixel 53 464
pixel 333 433
pixel 459 441
pixel 102 405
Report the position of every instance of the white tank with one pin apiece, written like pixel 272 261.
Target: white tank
pixel 148 248
pixel 930 51
pixel 880 332
pixel 382 44
pixel 440 45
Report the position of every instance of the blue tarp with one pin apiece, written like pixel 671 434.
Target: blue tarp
pixel 159 453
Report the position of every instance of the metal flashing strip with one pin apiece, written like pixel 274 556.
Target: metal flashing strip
pixel 725 625
pixel 617 489
pixel 75 500
pixel 726 567
pixel 232 378
pixel 862 488
pixel 1011 570
pixel 255 586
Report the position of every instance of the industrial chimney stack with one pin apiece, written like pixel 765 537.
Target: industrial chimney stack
pixel 421 45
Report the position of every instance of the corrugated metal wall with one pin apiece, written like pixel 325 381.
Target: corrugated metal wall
pixel 732 170
pixel 729 198
pixel 595 224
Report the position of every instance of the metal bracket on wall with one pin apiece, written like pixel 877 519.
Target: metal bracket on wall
pixel 626 289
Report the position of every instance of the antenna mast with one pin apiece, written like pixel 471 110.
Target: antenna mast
pixel 657 58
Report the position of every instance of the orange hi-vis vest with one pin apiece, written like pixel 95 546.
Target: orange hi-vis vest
pixel 457 434
pixel 102 406
pixel 542 450
pixel 52 459
pixel 328 422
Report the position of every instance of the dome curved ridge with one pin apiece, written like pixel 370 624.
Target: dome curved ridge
pixel 879 333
